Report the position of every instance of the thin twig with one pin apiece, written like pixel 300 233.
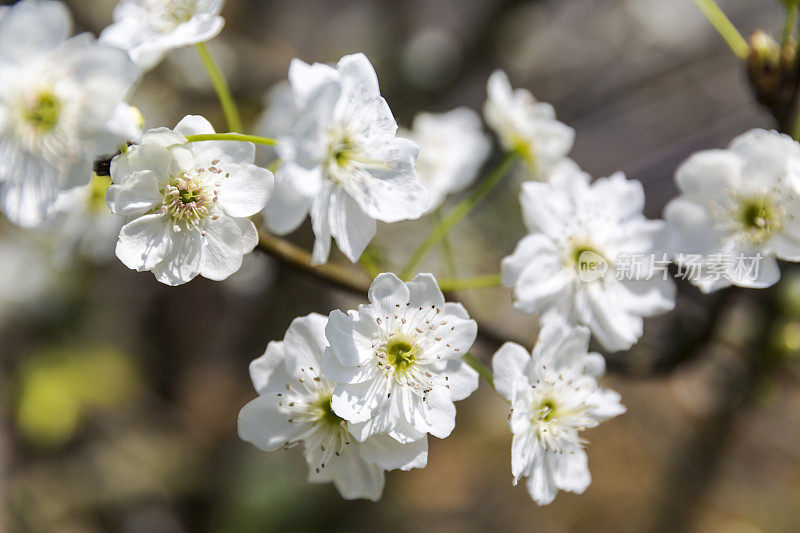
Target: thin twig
pixel 724 27
pixel 221 86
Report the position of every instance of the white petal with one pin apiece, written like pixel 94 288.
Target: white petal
pixel 355 478
pixel 462 379
pixel 193 125
pixel 386 291
pixel 245 190
pixel 136 195
pixel 350 346
pixel 288 207
pixel 223 247
pixel 30 28
pixel 424 291
pixel 181 261
pixel 249 234
pixel 144 157
pixel 508 367
pixel 143 242
pixel 350 225
pixel 262 423
pixel 708 174
pixel 389 454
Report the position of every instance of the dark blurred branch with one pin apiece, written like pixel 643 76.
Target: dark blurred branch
pixel 344 278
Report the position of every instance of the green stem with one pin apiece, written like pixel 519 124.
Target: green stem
pixel 458 213
pixel 448 257
pixel 477 282
pixel 255 139
pixel 724 27
pixel 221 86
pixel 789 25
pixel 479 367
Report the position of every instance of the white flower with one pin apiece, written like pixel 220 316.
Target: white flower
pixel 735 205
pixel 187 203
pixel 61 104
pixel 554 396
pixel 398 361
pixel 83 225
pixel 452 148
pixel 526 125
pixel 149 29
pixel 280 114
pixel 294 406
pixel 571 263
pixel 343 163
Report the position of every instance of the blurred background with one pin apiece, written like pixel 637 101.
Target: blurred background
pixel 120 395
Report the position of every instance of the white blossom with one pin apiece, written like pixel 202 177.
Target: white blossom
pixel 568 264
pixel 342 163
pixel 187 203
pixel 294 407
pixel 738 208
pixel 61 104
pixel 398 360
pixel 554 396
pixel 280 114
pixel 149 29
pixel 452 148
pixel 82 224
pixel 526 125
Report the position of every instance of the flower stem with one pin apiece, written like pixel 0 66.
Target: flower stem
pixel 255 139
pixel 458 213
pixel 477 282
pixel 479 367
pixel 221 86
pixel 446 249
pixel 790 23
pixel 724 27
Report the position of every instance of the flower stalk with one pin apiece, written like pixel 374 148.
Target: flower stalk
pixel 255 139
pixel 458 213
pixel 220 84
pixel 724 27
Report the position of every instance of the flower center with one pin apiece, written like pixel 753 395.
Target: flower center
pixel 547 410
pixel 166 15
pixel 326 414
pixel 401 354
pixel 188 199
pixel 43 112
pixel 342 151
pixel 759 217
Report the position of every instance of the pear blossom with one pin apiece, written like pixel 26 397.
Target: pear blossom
pixel 61 104
pixel 572 263
pixel 187 203
pixel 398 360
pixel 736 213
pixel 452 149
pixel 554 396
pixel 279 115
pixel 294 407
pixel 149 29
pixel 342 162
pixel 82 224
pixel 526 125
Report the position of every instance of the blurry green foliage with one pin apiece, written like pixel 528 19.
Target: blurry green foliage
pixel 58 387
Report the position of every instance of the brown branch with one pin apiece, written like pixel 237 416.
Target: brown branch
pixel 297 258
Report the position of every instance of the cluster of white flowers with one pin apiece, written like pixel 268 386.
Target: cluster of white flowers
pixel 362 390
pixel 61 105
